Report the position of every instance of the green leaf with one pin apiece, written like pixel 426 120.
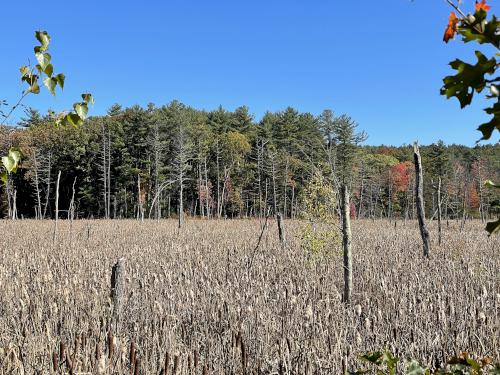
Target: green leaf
pixel 414 368
pixel 469 78
pixel 481 31
pixel 44 39
pixel 49 69
pixel 72 119
pixel 34 88
pixel 50 83
pixel 30 78
pixel 60 80
pixel 488 128
pixel 491 184
pixel 390 361
pixel 15 154
pixel 9 164
pixel 43 59
pixel 372 357
pixel 24 70
pixel 493 227
pixel 3 177
pixel 81 110
pixel 88 98
pixel 474 364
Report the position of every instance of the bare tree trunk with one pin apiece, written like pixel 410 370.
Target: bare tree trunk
pixel 480 187
pixel 71 210
pixel 9 197
pixel 104 171
pixel 360 204
pixel 47 194
pixel 273 176
pixel 37 186
pixel 181 199
pixel 200 200
pixel 260 154
pixel 218 180
pixel 54 237
pixel 140 208
pixel 419 191
pixel 14 205
pixel 207 192
pixel 346 244
pixel 439 209
pixel 109 175
pixel 266 193
pixel 285 185
pixel 222 199
pixel 464 207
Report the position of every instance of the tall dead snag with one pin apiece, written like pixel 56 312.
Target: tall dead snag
pixel 346 244
pixel 419 192
pixel 347 141
pixel 117 293
pixel 281 228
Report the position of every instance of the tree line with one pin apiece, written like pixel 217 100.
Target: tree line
pixel 174 160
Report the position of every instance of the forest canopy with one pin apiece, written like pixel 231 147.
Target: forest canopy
pixel 128 163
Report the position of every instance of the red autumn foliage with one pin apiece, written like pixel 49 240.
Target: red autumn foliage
pixel 451 29
pixel 353 213
pixel 384 150
pixel 401 176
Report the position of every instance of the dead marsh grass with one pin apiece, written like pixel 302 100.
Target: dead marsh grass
pixel 204 300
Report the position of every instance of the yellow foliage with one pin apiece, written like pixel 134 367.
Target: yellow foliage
pixel 319 234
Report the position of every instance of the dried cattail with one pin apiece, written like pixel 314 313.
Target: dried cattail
pixel 84 340
pixel 111 344
pixel 62 351
pixel 137 366
pixel 243 357
pixel 238 340
pixel 205 370
pixel 131 356
pixel 97 352
pixel 55 361
pixel 176 363
pixel 190 365
pixel 196 359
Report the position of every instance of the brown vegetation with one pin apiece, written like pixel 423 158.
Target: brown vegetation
pixel 204 301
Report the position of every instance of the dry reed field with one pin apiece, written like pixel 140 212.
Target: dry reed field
pixel 202 300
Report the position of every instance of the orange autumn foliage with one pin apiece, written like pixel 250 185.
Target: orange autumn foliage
pixel 473 198
pixel 482 5
pixel 451 29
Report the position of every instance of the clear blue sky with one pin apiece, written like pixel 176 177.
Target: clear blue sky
pixel 381 62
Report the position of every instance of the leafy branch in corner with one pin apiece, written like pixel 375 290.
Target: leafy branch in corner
pixel 474 78
pixel 31 75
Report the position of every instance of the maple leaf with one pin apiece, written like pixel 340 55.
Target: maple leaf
pixel 451 29
pixel 482 5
